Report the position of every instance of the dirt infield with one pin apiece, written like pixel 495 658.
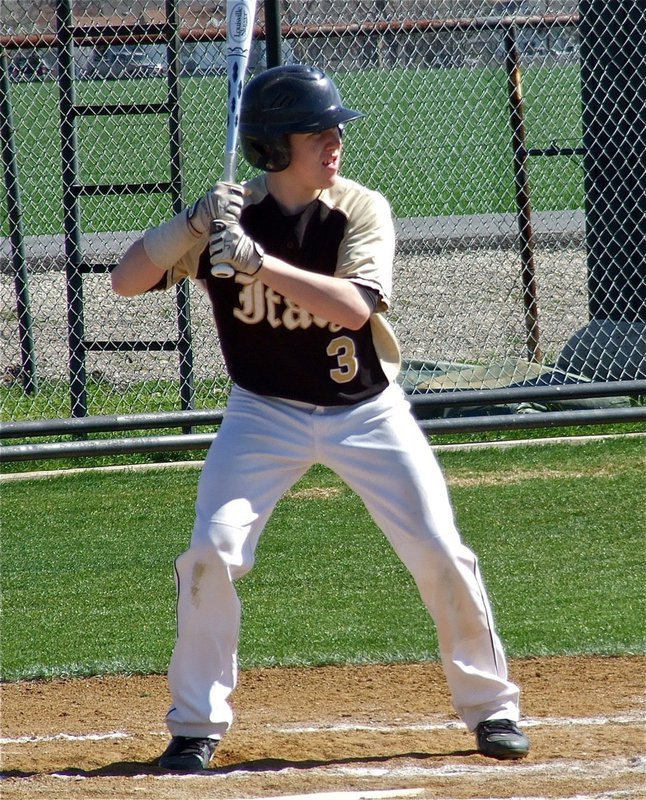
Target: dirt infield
pixel 372 731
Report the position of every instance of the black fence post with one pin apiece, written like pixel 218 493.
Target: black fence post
pixel 182 296
pixel 272 32
pixel 16 236
pixel 71 210
pixel 613 42
pixel 522 194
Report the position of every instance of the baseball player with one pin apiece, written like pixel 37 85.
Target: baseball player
pixel 313 361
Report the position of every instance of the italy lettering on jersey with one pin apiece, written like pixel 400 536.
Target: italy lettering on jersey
pixel 274 347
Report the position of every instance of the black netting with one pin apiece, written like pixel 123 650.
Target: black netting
pixel 508 137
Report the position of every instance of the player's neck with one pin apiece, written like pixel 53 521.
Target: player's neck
pixel 291 198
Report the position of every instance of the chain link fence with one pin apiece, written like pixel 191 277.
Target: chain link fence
pixel 508 137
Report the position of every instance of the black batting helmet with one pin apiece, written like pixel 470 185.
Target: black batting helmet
pixel 283 100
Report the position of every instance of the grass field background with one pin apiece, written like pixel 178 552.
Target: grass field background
pixel 436 142
pixel 87 560
pixel 88 580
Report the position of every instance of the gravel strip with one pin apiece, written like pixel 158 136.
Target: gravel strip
pixel 460 306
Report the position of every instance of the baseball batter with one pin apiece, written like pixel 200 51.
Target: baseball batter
pixel 302 330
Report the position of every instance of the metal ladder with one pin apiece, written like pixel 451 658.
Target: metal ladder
pixel 76 266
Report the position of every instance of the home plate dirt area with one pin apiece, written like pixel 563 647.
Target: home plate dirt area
pixel 334 732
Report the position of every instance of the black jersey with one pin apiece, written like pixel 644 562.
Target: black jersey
pixel 272 346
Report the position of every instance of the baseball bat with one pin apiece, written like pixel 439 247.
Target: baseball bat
pixel 240 21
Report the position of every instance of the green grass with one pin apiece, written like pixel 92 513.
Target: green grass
pixel 88 586
pixel 106 398
pixel 437 142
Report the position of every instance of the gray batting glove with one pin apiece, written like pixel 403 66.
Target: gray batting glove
pixel 229 244
pixel 224 201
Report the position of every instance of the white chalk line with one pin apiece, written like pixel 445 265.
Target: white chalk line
pixel 633 718
pixel 598 769
pixel 620 794
pixel 584 769
pixel 381 794
pixel 627 765
pixel 66 737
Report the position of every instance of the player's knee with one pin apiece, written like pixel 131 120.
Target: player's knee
pixel 223 544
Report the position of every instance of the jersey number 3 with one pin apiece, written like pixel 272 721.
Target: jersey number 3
pixel 342 348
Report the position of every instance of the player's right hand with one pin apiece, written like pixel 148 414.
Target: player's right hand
pixel 224 201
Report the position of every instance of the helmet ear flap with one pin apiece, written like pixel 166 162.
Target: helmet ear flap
pixel 270 155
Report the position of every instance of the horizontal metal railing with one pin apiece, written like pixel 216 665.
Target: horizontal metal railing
pixel 422 406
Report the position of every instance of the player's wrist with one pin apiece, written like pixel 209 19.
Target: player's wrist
pixel 257 259
pixel 197 220
pixel 165 244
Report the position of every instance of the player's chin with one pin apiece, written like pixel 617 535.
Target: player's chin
pixel 330 177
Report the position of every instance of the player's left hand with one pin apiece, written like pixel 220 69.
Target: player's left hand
pixel 229 244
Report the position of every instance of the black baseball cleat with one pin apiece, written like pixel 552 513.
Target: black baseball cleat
pixel 188 754
pixel 500 738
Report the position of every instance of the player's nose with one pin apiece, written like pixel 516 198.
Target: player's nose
pixel 333 136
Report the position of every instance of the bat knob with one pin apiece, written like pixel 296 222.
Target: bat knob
pixel 222 271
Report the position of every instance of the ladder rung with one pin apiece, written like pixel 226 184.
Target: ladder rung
pixel 126 346
pixel 119 109
pixel 553 150
pixel 104 189
pixel 87 269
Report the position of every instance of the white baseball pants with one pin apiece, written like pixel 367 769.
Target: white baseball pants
pixel 262 448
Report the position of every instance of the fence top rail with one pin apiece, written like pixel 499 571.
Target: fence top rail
pixel 469 397
pixel 119 34
pixel 201 441
pixel 433 23
pixel 149 34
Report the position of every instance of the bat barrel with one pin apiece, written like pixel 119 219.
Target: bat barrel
pixel 240 19
pixel 229 174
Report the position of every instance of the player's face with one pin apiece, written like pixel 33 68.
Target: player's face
pixel 315 158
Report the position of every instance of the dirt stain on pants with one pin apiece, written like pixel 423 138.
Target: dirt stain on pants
pixel 196 578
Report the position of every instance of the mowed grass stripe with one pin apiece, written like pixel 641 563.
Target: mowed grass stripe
pixel 436 142
pixel 88 565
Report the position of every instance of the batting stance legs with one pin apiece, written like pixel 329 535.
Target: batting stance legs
pixel 263 447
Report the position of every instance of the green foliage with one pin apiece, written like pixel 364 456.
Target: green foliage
pixel 88 586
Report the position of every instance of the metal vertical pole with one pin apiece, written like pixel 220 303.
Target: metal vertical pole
pixel 523 204
pixel 273 33
pixel 182 298
pixel 71 211
pixel 613 41
pixel 16 236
